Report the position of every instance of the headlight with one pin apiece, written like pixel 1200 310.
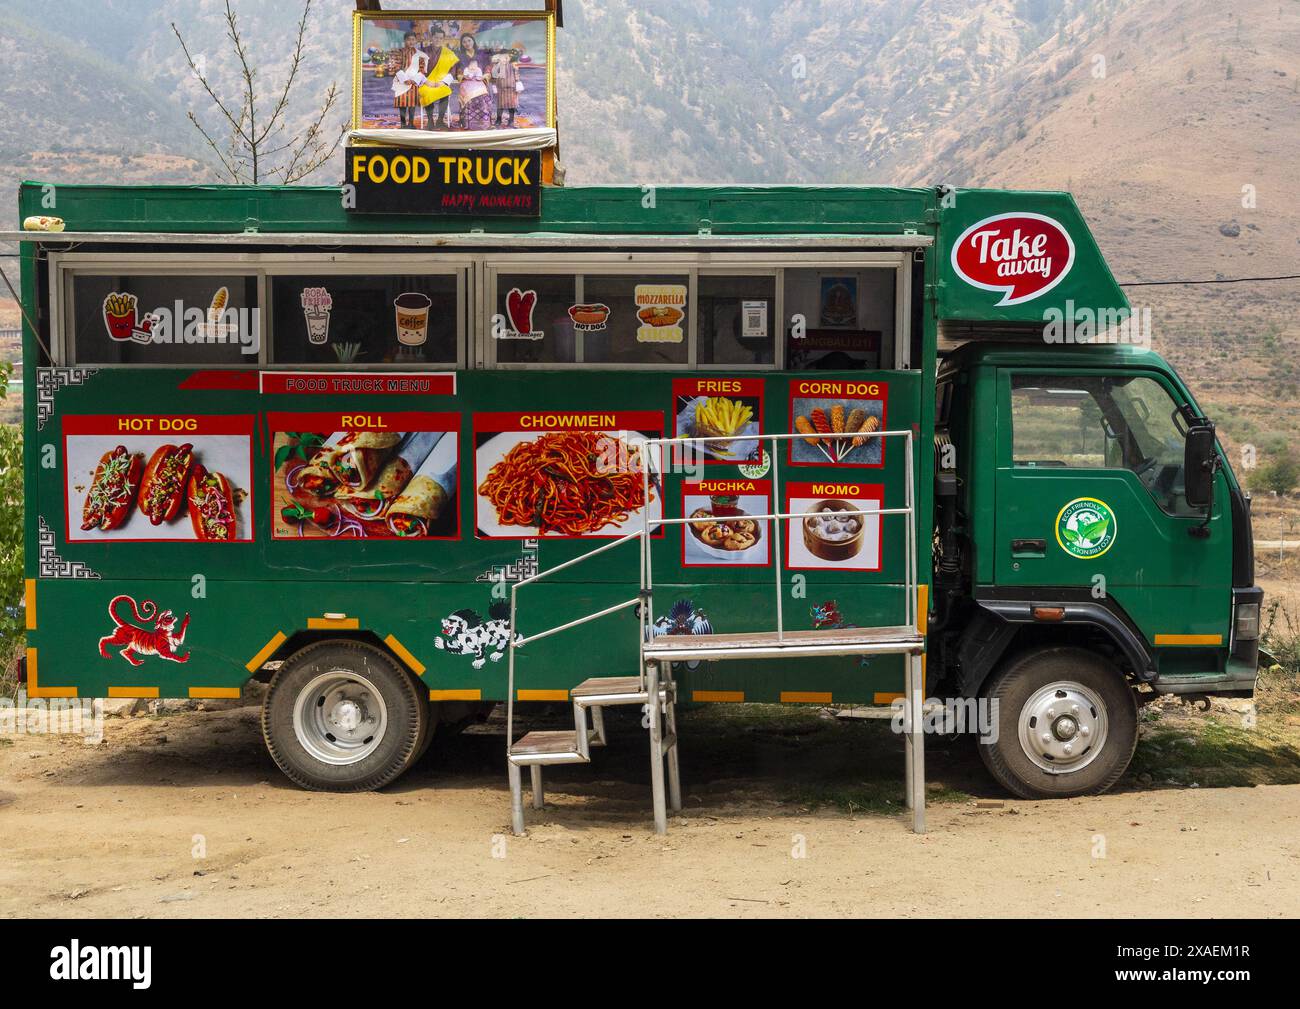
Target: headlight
pixel 1246 626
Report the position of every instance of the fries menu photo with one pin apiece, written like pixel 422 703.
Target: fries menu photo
pixel 158 478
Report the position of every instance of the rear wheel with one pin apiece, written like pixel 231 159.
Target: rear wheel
pixel 1067 724
pixel 343 716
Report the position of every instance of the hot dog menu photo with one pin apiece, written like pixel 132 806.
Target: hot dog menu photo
pixel 159 478
pixel 365 475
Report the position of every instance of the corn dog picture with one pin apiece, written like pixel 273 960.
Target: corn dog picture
pixel 838 421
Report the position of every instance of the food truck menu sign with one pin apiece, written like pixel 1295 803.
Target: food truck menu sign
pixel 402 180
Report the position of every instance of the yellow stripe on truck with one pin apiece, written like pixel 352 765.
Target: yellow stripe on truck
pixel 417 667
pixel 1189 639
pixel 268 649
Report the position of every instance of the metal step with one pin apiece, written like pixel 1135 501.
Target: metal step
pixel 768 644
pixel 556 746
pixel 609 690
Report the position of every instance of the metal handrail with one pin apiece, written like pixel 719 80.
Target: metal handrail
pixel 645 597
pixel 911 578
pixel 514 605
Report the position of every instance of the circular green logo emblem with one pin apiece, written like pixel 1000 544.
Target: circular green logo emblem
pixel 1086 527
pixel 756 470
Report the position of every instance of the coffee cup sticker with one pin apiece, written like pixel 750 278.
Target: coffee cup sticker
pixel 413 318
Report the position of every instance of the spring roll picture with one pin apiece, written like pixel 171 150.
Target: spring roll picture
pixel 362 456
pixel 317 477
pixel 427 495
pixel 370 503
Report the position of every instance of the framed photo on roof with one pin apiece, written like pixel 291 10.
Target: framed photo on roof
pixel 453 71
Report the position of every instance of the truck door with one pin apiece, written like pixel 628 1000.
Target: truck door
pixel 1089 490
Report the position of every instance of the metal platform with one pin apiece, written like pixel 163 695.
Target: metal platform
pixel 653 687
pixel 773 644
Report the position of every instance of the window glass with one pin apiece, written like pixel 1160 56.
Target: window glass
pixel 364 320
pixel 846 318
pixel 1102 422
pixel 737 320
pixel 539 301
pixel 647 321
pixel 165 319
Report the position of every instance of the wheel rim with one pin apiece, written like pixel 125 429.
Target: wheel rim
pixel 340 717
pixel 1063 727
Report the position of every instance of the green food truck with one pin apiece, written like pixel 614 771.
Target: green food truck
pixel 806 445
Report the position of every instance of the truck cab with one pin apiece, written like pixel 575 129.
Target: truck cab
pixel 1094 551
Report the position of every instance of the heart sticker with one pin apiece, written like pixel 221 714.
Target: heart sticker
pixel 520 305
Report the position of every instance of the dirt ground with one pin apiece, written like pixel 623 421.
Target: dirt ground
pixel 787 813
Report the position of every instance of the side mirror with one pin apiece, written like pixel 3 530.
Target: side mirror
pixel 1200 461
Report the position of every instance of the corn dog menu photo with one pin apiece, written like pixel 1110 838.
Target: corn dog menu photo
pixel 359 475
pixel 158 478
pixel 564 473
pixel 837 419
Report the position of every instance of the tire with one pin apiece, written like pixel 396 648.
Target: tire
pixel 343 716
pixel 1053 706
pixel 430 730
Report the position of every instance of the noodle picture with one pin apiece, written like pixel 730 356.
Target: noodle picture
pixel 567 483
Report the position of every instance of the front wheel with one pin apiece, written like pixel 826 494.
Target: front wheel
pixel 1067 724
pixel 343 716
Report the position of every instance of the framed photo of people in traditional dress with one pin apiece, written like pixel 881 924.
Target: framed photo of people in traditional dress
pixel 455 71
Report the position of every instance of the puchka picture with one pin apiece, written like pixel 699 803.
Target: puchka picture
pixel 453 70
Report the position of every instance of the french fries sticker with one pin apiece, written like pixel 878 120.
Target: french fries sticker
pixel 122 319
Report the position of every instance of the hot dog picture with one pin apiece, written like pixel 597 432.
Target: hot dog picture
pixel 590 316
pixel 138 477
pixel 112 490
pixel 162 488
pixel 211 503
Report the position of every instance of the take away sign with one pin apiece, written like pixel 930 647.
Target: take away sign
pixel 1023 255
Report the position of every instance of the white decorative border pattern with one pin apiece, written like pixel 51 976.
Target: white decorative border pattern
pixel 48 382
pixel 51 565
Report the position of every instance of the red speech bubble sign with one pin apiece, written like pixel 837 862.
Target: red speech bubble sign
pixel 1023 255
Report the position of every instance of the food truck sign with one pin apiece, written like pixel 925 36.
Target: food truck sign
pixel 402 180
pixel 1023 255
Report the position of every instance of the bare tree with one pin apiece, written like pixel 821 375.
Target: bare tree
pixel 258 148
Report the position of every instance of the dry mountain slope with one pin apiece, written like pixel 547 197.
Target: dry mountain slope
pixel 1197 102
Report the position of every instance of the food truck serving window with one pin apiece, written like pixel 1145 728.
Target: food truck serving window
pixel 736 319
pixel 164 319
pixel 368 319
pixel 839 318
pixel 646 321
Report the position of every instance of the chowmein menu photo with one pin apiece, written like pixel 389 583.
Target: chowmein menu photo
pixel 565 473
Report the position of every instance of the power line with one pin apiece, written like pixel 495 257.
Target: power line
pixel 1223 280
